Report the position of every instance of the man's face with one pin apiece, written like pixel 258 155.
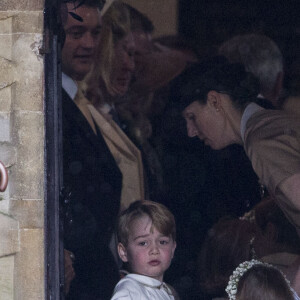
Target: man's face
pixel 81 41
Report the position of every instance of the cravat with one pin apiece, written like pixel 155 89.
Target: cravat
pixel 82 103
pixel 115 116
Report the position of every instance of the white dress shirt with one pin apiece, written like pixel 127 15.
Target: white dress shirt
pixel 139 287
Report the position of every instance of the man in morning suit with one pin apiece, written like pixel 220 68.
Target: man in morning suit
pixel 90 173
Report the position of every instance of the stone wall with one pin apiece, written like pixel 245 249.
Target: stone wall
pixel 21 150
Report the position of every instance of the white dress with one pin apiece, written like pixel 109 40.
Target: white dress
pixel 139 287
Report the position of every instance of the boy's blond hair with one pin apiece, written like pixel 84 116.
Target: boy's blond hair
pixel 162 219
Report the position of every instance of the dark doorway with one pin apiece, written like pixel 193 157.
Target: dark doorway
pixel 210 23
pixel 53 152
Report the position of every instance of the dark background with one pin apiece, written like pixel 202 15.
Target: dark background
pixel 211 22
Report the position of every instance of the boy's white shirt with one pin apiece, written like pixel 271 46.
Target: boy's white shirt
pixel 139 287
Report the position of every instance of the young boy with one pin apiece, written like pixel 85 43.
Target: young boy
pixel 146 233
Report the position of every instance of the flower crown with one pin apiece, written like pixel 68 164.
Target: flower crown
pixel 234 279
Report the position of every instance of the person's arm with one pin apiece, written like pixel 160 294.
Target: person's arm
pixel 290 188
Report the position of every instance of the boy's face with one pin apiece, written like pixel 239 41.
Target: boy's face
pixel 148 253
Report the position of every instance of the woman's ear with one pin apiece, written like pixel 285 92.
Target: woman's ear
pixel 214 100
pixel 122 252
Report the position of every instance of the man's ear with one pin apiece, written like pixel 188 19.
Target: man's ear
pixel 122 252
pixel 214 100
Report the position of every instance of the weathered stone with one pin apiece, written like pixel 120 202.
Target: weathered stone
pixel 22 5
pixel 28 174
pixel 28 22
pixel 8 235
pixel 29 265
pixel 7 73
pixel 28 90
pixel 5 24
pixel 29 213
pixel 4 127
pixel 6 38
pixel 5 97
pixel 8 154
pixel 7 277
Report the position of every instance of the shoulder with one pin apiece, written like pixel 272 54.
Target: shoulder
pixel 272 127
pixel 127 288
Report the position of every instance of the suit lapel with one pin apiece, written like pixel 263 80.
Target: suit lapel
pixel 115 134
pixel 76 119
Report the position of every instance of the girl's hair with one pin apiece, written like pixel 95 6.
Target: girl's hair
pixel 227 244
pixel 267 211
pixel 115 26
pixel 219 75
pixel 162 219
pixel 263 282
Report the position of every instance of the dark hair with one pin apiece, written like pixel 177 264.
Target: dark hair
pixel 227 244
pixel 139 21
pixel 219 75
pixel 263 282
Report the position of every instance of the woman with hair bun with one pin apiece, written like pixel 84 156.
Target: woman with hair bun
pixel 219 108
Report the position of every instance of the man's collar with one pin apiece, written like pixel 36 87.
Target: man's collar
pixel 251 109
pixel 69 85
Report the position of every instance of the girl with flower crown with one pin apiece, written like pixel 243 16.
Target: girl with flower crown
pixel 254 280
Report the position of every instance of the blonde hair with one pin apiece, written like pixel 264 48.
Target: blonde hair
pixel 115 26
pixel 162 219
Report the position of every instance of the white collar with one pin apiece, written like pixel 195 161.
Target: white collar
pixel 69 85
pixel 146 280
pixel 105 108
pixel 250 109
pixel 150 282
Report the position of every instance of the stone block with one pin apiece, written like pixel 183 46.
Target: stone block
pixel 5 97
pixel 29 265
pixel 28 90
pixel 6 37
pixel 29 213
pixel 6 74
pixel 8 235
pixel 4 127
pixel 4 201
pixel 7 277
pixel 27 175
pixel 5 23
pixel 8 154
pixel 28 22
pixel 22 5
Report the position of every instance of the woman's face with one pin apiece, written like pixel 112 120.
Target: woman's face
pixel 208 123
pixel 123 64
